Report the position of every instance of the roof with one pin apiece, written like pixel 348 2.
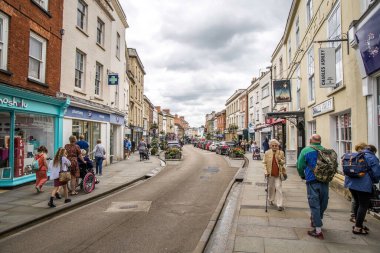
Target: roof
pixel 133 53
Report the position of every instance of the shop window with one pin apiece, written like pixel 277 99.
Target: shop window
pixel 37 57
pixel 378 113
pixel 82 15
pixel 31 132
pixel 343 133
pixel 4 24
pixel 90 131
pixel 5 128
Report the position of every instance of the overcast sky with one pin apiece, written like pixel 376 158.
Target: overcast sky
pixel 196 53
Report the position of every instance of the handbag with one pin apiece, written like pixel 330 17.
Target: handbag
pixel 64 176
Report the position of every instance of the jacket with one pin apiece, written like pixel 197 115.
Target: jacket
pixel 364 184
pixel 54 170
pixel 307 161
pixel 280 159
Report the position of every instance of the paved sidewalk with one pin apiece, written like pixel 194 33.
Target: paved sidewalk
pixel 22 205
pixel 258 231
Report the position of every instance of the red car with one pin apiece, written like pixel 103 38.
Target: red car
pixel 208 145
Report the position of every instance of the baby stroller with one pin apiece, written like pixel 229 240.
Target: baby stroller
pixel 256 153
pixel 144 154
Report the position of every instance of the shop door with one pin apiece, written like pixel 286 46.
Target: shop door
pixel 112 142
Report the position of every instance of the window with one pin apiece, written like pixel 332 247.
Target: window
pixel 37 57
pixel 309 10
pixel 257 115
pixel 289 52
pixel 298 88
pixel 100 32
pixel 98 78
pixel 334 32
pixel 251 117
pixel 82 15
pixel 42 3
pixel 257 97
pixel 274 72
pixel 251 101
pixel 343 133
pixel 310 72
pixel 281 69
pixel 265 91
pixel 298 32
pixel 312 127
pixel 265 111
pixel 79 69
pixel 118 45
pixel 4 20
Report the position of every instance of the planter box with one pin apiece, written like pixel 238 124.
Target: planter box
pixel 237 157
pixel 176 157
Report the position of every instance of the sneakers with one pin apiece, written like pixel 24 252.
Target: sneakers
pixel 314 234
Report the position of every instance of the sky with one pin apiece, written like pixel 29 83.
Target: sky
pixel 196 53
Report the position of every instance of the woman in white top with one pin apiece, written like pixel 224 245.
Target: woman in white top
pixel 60 163
pixel 100 153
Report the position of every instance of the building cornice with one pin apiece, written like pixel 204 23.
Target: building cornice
pixel 106 6
pixel 120 12
pixel 234 96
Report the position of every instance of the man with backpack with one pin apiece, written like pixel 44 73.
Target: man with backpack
pixel 317 166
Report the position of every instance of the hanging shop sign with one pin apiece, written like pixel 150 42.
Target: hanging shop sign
pixel 113 79
pixel 322 108
pixel 282 91
pixel 327 67
pixel 368 38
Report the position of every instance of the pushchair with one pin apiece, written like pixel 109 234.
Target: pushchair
pixel 256 153
pixel 144 154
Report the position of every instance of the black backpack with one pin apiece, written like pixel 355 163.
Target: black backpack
pixel 354 165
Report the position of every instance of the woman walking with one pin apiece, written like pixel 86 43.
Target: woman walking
pixel 361 189
pixel 60 163
pixel 73 154
pixel 41 174
pixel 142 148
pixel 100 153
pixel 275 172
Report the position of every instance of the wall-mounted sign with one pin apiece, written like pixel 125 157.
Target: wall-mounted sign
pixel 368 37
pixel 282 91
pixel 13 102
pixel 324 107
pixel 76 112
pixel 113 79
pixel 327 69
pixel 116 119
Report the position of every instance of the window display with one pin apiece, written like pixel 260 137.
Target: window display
pixel 90 130
pixel 31 131
pixel 5 122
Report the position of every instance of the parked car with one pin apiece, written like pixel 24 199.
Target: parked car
pixel 224 147
pixel 213 146
pixel 174 144
pixel 207 147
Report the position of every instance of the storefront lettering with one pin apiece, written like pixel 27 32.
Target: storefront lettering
pixel 77 112
pixel 13 102
pixel 326 106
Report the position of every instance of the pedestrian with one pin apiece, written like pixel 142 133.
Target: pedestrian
pixel 127 148
pixel 82 143
pixel 142 148
pixel 60 163
pixel 89 165
pixel 275 172
pixel 41 173
pixel 100 155
pixel 133 148
pixel 361 188
pixel 358 148
pixel 73 154
pixel 265 145
pixel 317 191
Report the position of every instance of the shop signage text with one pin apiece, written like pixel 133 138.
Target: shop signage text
pixel 327 67
pixel 86 114
pixel 324 107
pixel 13 102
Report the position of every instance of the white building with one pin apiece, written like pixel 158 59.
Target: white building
pixel 94 73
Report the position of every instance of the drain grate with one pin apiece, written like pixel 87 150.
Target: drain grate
pixel 130 206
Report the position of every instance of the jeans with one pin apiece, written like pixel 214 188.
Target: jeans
pixel 99 165
pixel 318 197
pixel 362 200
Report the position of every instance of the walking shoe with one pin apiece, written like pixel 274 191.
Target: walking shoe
pixel 314 234
pixel 51 203
pixel 271 203
pixel 58 196
pixel 280 208
pixel 67 200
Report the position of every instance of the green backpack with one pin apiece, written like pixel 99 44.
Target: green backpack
pixel 327 165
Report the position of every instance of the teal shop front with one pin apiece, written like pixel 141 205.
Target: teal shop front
pixel 27 120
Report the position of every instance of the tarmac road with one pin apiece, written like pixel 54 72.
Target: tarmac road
pixel 167 213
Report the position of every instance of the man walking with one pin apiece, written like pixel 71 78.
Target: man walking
pixel 82 143
pixel 127 148
pixel 317 191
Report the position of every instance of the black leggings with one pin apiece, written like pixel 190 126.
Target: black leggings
pixel 362 200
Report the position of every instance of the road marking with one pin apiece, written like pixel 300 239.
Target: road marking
pixel 129 206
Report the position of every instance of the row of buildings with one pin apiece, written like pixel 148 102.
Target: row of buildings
pixel 66 69
pixel 324 78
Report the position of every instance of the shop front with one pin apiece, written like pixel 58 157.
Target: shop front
pixel 116 137
pixel 28 120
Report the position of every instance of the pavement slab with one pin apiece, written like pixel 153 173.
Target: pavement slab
pixel 292 246
pixel 266 231
pixel 249 244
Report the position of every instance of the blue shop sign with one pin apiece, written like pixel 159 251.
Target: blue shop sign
pixel 116 119
pixel 368 37
pixel 113 79
pixel 76 112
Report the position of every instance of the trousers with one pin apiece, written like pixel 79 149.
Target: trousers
pixel 275 190
pixel 318 197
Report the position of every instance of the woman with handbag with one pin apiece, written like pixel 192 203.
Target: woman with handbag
pixel 41 173
pixel 59 172
pixel 275 172
pixel 73 154
pixel 100 153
